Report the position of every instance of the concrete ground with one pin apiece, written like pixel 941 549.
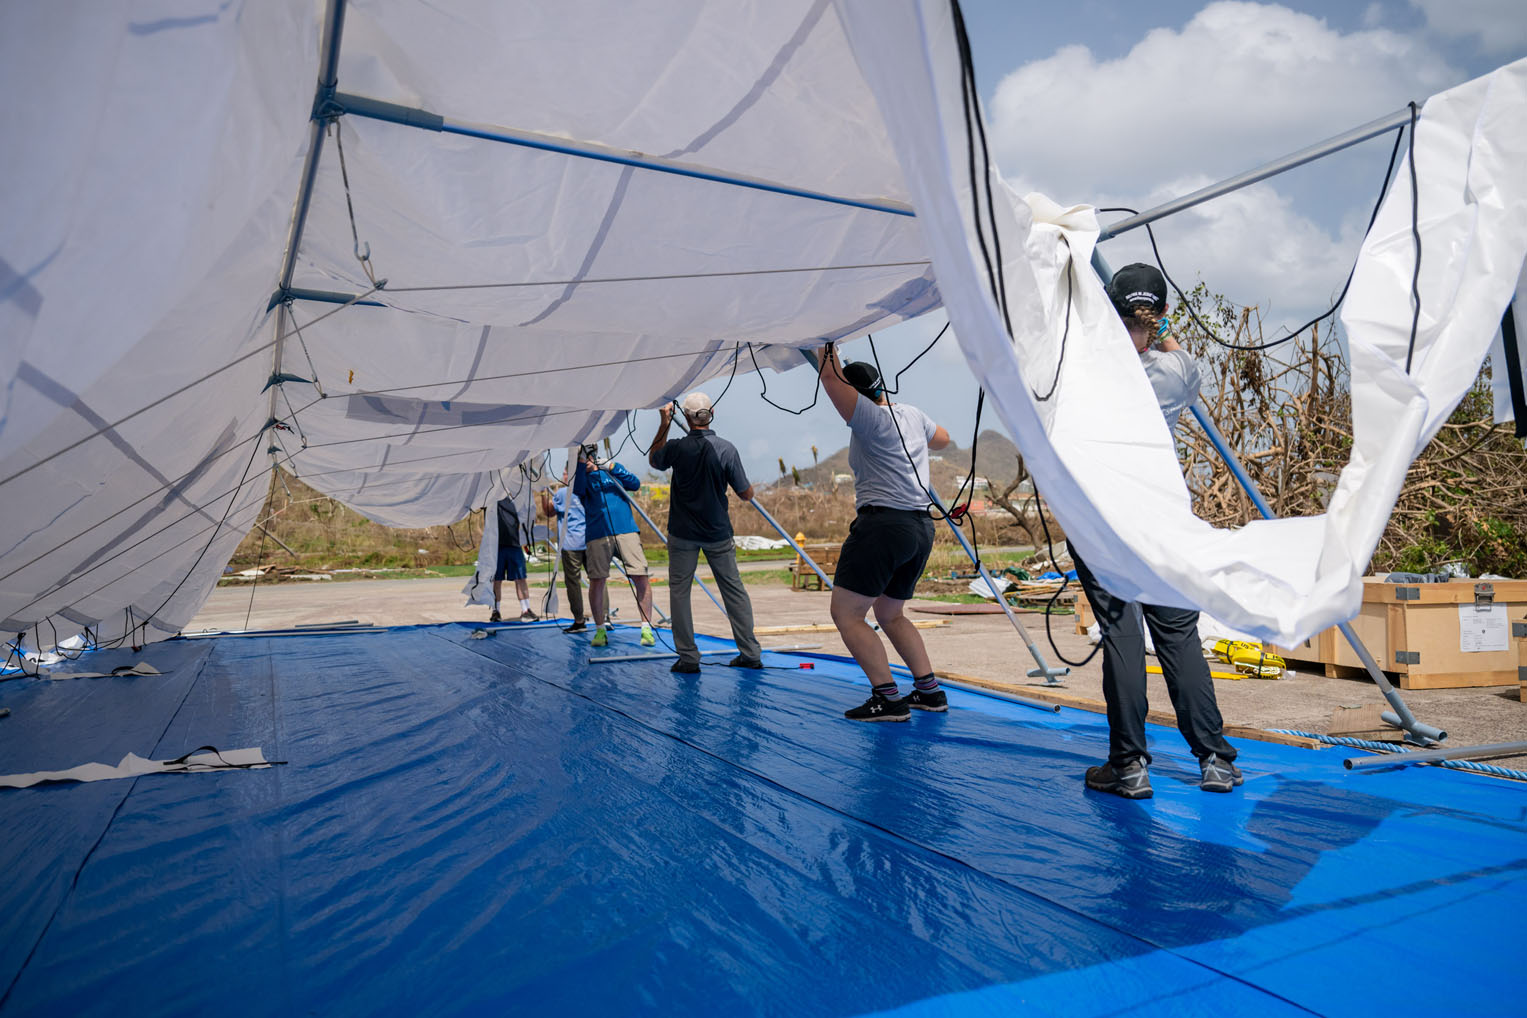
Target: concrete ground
pixel 984 647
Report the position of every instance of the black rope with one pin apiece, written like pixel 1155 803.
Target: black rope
pixel 736 356
pixel 1335 305
pixel 1059 361
pixel 971 109
pixel 1415 233
pixel 763 394
pixel 895 386
pixel 1050 604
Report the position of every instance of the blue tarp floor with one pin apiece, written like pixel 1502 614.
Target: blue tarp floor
pixel 495 826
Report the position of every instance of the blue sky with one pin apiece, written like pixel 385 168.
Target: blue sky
pixel 1219 88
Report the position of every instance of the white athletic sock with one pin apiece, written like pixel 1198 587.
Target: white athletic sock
pixel 524 604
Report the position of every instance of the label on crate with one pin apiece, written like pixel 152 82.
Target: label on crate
pixel 1482 628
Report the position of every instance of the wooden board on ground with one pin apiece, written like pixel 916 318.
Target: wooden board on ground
pixel 1160 717
pixel 828 627
pixel 952 608
pixel 1424 634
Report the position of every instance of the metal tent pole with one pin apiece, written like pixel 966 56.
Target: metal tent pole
pixel 826 580
pixel 1401 716
pixel 664 538
pixel 1372 129
pixel 1051 675
pixel 376 109
pixel 1434 755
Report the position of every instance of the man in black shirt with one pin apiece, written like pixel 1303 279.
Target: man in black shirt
pixel 703 466
pixel 511 561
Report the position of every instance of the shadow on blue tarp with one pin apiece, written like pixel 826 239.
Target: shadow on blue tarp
pixel 497 826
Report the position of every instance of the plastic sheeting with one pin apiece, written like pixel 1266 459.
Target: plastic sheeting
pixel 484 826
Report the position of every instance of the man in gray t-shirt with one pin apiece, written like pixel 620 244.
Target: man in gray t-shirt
pixel 889 540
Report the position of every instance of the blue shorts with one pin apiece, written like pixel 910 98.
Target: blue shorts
pixel 511 564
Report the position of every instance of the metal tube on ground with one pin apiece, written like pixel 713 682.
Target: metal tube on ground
pixel 1434 755
pixel 704 653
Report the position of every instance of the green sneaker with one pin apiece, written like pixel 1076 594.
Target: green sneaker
pixel 648 640
pixel 600 639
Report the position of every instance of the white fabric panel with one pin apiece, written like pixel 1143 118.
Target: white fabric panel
pixel 760 87
pixel 440 210
pixel 1102 454
pixel 140 139
pixel 133 765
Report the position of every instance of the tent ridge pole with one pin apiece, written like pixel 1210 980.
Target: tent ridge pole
pixel 376 109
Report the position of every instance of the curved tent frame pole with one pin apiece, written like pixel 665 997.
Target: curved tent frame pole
pixel 1401 716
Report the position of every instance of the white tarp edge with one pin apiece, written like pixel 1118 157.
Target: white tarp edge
pixel 133 766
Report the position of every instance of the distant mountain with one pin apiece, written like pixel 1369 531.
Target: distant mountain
pixel 996 460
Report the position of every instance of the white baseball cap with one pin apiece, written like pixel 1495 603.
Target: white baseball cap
pixel 696 403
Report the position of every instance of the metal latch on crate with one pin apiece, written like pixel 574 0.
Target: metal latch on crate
pixel 1407 593
pixel 1519 629
pixel 1484 595
pixel 1407 657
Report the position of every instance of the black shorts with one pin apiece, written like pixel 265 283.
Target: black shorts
pixel 511 564
pixel 885 552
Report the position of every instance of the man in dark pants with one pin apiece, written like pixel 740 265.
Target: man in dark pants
pixel 1138 292
pixel 889 541
pixel 511 561
pixel 704 465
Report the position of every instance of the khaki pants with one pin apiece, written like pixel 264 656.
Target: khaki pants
pixel 602 550
pixel 572 575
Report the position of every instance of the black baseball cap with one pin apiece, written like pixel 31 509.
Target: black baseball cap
pixel 864 377
pixel 1137 285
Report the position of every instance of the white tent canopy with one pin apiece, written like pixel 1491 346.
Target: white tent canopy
pixel 594 206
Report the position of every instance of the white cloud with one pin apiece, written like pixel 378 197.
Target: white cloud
pixel 1498 26
pixel 1241 83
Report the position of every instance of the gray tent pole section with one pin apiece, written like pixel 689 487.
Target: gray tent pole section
pixel 664 538
pixel 1401 716
pixel 826 580
pixel 1051 675
pixel 1371 129
pixel 1434 755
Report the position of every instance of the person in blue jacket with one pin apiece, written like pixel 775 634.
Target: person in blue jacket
pixel 610 533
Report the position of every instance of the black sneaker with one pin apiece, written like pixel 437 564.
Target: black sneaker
pixel 528 616
pixel 1218 774
pixel 741 662
pixel 1132 781
pixel 495 617
pixel 927 699
pixel 878 708
pixel 685 667
pixel 576 627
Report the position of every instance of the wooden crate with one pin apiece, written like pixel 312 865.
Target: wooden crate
pixel 1416 634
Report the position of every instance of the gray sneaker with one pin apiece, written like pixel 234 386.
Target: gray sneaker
pixel 1132 781
pixel 1218 774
